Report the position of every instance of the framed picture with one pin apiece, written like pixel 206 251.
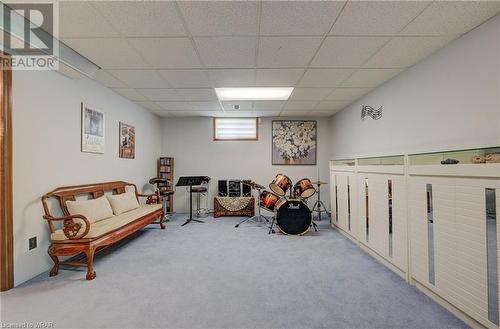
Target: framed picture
pixel 294 142
pixel 92 130
pixel 127 141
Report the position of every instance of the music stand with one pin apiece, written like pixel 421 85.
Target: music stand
pixel 191 181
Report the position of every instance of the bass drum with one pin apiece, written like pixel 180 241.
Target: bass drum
pixel 292 216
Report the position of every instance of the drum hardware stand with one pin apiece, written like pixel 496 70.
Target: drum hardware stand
pixel 318 205
pixel 271 229
pixel 256 218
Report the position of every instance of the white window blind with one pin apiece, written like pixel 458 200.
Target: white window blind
pixel 235 129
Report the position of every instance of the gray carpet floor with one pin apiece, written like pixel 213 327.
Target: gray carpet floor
pixel 212 275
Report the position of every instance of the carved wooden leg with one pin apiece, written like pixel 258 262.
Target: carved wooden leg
pixel 90 264
pixel 55 269
pixel 162 223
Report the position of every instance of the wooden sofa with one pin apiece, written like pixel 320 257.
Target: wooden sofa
pixel 78 235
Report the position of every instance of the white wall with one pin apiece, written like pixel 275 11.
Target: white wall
pixel 189 141
pixel 448 101
pixel 46 128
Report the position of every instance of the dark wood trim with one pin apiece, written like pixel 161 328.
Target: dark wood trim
pixel 237 139
pixel 6 225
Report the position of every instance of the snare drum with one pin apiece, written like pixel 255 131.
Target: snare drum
pixel 280 184
pixel 268 200
pixel 303 189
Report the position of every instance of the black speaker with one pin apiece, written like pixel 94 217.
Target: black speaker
pixel 234 188
pixel 222 187
pixel 246 190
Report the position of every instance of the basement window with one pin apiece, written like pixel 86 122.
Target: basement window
pixel 235 129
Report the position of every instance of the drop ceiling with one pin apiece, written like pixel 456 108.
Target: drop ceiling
pixel 168 56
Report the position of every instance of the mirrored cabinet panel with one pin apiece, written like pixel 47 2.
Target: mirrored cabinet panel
pixel 343 162
pixel 382 161
pixel 470 156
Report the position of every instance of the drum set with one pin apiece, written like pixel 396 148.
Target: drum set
pixel 291 212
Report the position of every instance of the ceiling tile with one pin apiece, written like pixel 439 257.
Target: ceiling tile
pixel 324 113
pixel 347 51
pixel 140 78
pixel 152 106
pixel 186 78
pixel 108 80
pixel 370 77
pixel 227 52
pixel 79 19
pixel 296 113
pixel 286 51
pixel 179 94
pixel 324 77
pixel 112 53
pixel 174 106
pixel 405 51
pixel 266 114
pixel 331 105
pixel 166 53
pixel 142 19
pixel 268 105
pixel 452 17
pixel 204 106
pixel 193 113
pixel 297 17
pixel 376 17
pixel 131 94
pixel 310 94
pixel 347 94
pixel 161 113
pixel 232 78
pixel 278 77
pixel 205 94
pixel 244 106
pixel 161 94
pixel 299 105
pixel 211 18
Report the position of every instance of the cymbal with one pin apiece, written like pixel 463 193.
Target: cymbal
pixel 319 182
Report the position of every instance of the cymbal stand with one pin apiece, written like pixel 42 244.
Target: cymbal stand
pixel 319 205
pixel 258 217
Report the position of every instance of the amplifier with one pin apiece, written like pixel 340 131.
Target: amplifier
pixel 246 190
pixel 234 188
pixel 222 187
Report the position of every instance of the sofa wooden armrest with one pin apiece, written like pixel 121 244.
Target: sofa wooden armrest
pixel 71 228
pixel 76 239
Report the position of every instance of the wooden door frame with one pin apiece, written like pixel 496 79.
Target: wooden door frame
pixel 6 198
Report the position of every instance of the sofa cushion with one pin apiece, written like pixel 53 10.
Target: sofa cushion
pixel 110 224
pixel 94 210
pixel 121 203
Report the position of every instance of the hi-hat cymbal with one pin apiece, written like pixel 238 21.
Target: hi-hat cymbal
pixel 319 182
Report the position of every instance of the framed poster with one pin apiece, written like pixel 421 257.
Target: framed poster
pixel 294 142
pixel 92 130
pixel 127 141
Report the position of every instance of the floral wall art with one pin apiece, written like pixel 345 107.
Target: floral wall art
pixel 294 142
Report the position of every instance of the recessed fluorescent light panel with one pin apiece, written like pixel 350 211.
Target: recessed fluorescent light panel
pixel 254 94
